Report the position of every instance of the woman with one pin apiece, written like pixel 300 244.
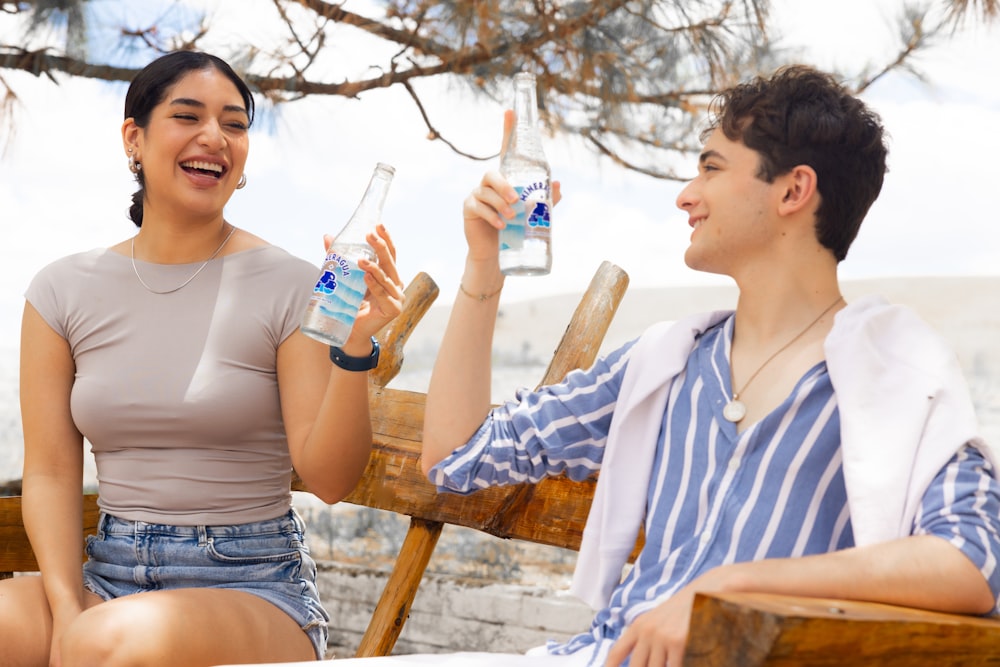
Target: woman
pixel 177 354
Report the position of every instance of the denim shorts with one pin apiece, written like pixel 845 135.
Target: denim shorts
pixel 266 558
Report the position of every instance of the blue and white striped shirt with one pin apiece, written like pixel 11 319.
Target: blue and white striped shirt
pixel 715 497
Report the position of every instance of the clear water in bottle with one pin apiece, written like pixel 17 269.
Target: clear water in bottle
pixel 338 293
pixel 340 289
pixel 526 241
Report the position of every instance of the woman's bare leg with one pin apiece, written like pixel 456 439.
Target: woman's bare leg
pixel 190 627
pixel 26 622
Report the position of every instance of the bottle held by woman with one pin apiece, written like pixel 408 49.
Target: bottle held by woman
pixel 329 316
pixel 525 243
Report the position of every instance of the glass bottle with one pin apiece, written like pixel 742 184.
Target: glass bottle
pixel 525 243
pixel 330 313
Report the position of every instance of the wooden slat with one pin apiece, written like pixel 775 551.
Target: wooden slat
pixel 585 332
pixel 15 550
pixel 394 605
pixel 763 630
pixel 394 481
pixel 517 514
pixel 419 296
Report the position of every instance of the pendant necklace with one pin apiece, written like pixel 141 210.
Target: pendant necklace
pixel 735 410
pixel 193 275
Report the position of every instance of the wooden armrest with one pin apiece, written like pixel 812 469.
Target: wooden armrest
pixel 758 629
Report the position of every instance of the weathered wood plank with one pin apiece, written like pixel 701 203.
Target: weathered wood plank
pixel 394 481
pixel 585 332
pixel 393 607
pixel 394 471
pixel 762 630
pixel 419 297
pixel 15 550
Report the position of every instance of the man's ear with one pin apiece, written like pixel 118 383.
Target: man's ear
pixel 799 190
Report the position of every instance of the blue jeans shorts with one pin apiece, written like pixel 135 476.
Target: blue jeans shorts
pixel 266 558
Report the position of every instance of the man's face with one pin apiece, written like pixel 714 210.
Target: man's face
pixel 729 207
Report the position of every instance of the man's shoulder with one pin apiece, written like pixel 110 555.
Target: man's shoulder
pixel 891 330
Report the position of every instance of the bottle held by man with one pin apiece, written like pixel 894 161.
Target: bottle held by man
pixel 329 316
pixel 526 243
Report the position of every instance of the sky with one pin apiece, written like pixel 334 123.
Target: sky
pixel 64 185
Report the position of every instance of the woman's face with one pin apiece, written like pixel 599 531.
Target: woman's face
pixel 194 147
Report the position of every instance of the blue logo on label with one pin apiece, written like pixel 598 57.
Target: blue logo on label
pixel 327 283
pixel 539 216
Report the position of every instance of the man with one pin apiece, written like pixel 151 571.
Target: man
pixel 799 445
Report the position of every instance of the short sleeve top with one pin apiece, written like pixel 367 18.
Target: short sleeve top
pixel 178 393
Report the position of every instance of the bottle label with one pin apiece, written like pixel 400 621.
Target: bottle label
pixel 531 220
pixel 340 288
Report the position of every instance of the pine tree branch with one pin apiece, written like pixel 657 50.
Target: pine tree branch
pixel 40 61
pixel 434 135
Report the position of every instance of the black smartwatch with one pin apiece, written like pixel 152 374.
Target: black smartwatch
pixel 349 363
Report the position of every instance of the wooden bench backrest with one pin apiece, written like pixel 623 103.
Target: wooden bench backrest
pixel 394 481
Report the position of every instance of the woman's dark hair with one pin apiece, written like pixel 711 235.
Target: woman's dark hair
pixel 801 116
pixel 149 88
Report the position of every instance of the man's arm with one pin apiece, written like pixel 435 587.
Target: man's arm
pixel 922 571
pixel 949 564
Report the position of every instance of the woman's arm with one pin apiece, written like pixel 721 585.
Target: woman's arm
pixel 53 465
pixel 458 397
pixel 325 408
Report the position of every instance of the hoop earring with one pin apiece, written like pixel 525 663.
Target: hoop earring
pixel 134 165
pixel 242 183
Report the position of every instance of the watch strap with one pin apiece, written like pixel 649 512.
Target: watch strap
pixel 349 363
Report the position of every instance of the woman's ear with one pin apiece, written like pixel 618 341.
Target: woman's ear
pixel 799 190
pixel 130 135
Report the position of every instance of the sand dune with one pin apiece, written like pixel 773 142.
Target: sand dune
pixel 966 311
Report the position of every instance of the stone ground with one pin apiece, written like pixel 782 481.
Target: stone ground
pixel 479 592
pixel 449 613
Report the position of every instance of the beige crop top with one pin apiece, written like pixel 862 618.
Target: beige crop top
pixel 177 393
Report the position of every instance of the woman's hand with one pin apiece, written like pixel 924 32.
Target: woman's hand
pixel 486 211
pixel 488 207
pixel 383 301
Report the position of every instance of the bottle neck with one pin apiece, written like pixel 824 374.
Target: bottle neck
pixel 524 146
pixel 525 102
pixel 368 214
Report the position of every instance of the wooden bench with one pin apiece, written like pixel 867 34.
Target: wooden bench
pixel 740 629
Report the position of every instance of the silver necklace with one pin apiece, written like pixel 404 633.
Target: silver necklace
pixel 735 410
pixel 193 275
